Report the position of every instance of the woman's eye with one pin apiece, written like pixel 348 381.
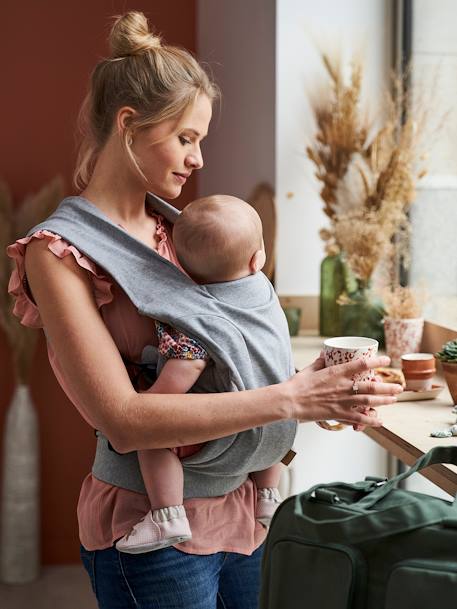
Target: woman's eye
pixel 184 140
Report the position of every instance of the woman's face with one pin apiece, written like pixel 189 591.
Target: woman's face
pixel 166 155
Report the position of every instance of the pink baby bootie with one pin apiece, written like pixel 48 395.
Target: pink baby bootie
pixel 158 529
pixel 268 500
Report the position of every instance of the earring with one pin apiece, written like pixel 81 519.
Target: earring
pixel 130 141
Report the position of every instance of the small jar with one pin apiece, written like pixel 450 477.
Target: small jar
pixel 419 370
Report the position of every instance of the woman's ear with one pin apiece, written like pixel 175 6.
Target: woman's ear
pixel 257 261
pixel 124 118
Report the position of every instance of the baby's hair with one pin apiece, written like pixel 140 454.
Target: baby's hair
pixel 157 80
pixel 215 237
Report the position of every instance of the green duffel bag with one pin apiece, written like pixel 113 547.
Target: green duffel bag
pixel 365 545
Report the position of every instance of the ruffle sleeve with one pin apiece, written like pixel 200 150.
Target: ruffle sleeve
pixel 176 345
pixel 24 307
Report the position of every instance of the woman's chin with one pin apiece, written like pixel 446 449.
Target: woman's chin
pixel 167 193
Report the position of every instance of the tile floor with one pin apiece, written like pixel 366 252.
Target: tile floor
pixel 59 587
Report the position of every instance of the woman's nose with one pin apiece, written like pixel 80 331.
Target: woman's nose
pixel 195 160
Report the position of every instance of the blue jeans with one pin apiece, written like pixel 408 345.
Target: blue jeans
pixel 170 579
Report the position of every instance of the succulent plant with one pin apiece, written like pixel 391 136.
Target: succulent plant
pixel 448 352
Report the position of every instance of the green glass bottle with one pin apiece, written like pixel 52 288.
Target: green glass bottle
pixel 362 315
pixel 332 286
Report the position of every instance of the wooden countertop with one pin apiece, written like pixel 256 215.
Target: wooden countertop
pixel 406 425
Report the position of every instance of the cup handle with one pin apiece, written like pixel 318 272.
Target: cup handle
pixel 330 426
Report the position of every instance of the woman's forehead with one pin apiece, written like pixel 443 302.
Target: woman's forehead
pixel 197 116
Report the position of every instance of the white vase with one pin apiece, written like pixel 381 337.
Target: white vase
pixel 402 336
pixel 19 546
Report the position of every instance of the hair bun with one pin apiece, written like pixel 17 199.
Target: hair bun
pixel 130 35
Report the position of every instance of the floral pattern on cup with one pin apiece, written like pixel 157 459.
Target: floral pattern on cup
pixel 402 336
pixel 345 349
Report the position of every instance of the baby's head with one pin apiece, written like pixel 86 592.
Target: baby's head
pixel 219 238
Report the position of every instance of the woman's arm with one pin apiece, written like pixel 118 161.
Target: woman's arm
pixel 97 376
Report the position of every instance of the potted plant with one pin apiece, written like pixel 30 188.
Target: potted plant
pixel 403 322
pixel 448 358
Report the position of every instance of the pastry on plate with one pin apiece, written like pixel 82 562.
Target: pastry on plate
pixel 391 375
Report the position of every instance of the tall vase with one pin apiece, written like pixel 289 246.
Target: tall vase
pixel 20 548
pixel 332 285
pixel 336 279
pixel 362 314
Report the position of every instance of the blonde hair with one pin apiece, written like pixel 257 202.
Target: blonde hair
pixel 158 81
pixel 215 238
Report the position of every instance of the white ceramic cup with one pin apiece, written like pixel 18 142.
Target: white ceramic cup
pixel 344 349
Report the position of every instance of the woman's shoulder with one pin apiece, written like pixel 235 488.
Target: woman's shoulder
pixel 30 256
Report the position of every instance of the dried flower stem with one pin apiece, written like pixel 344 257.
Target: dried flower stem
pixel 13 225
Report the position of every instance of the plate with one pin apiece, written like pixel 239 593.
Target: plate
pixel 413 396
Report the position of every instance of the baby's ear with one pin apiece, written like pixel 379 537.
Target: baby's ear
pixel 257 261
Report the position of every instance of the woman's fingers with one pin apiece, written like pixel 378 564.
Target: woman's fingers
pixel 318 363
pixel 371 412
pixel 363 419
pixel 328 394
pixel 367 400
pixel 359 366
pixel 379 388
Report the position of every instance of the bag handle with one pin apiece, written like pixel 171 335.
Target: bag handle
pixel 437 455
pixel 358 523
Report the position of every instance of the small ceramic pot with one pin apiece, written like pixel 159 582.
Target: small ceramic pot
pixel 419 370
pixel 450 374
pixel 402 336
pixel 344 349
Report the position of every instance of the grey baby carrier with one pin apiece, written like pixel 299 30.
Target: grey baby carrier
pixel 240 323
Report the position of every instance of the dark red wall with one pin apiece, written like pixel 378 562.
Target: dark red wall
pixel 48 49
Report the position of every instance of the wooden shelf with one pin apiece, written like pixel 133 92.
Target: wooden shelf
pixel 406 425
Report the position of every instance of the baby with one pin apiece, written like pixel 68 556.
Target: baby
pixel 217 239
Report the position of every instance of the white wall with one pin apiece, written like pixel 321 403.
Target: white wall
pixel 303 27
pixel 237 39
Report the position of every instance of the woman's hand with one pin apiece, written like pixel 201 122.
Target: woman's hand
pixel 320 393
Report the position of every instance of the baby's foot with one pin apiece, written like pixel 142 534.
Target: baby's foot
pixel 158 529
pixel 268 500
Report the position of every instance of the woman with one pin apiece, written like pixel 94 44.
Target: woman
pixel 147 112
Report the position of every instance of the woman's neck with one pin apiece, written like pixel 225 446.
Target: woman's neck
pixel 113 190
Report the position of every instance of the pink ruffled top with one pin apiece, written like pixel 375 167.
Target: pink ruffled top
pixel 106 512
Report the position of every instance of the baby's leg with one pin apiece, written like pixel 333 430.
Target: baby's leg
pixel 268 497
pixel 163 477
pixel 166 523
pixel 268 478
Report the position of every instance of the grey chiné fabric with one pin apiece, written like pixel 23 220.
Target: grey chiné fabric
pixel 240 323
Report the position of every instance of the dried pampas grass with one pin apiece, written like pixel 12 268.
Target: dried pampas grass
pixel 14 224
pixel 340 131
pixel 369 175
pixel 404 302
